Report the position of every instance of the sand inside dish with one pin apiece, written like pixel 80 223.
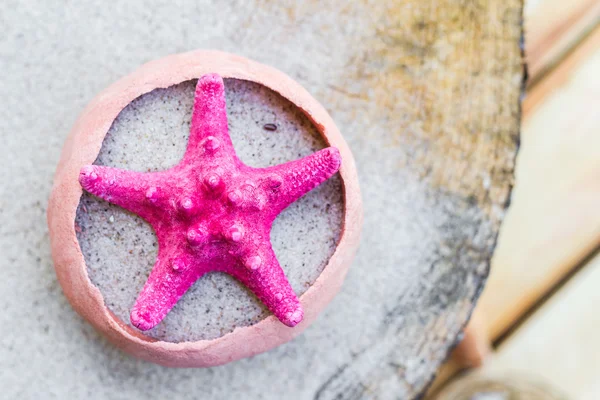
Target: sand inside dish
pixel 150 134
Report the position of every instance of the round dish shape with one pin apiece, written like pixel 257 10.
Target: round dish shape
pixel 82 148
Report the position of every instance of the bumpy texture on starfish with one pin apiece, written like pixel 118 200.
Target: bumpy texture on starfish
pixel 211 212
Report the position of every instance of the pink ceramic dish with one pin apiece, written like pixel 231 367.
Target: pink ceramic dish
pixel 82 148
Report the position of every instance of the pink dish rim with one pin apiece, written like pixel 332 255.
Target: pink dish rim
pixel 82 147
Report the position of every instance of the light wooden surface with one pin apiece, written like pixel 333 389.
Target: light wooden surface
pixel 552 28
pixel 559 344
pixel 562 73
pixel 554 219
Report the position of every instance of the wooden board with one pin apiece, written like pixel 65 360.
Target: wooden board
pixel 553 222
pixel 553 28
pixel 513 289
pixel 425 92
pixel 559 345
pixel 562 73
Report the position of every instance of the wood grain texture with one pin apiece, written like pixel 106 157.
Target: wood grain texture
pixel 557 348
pixel 426 94
pixel 561 74
pixel 553 222
pixel 553 28
pixel 550 110
pixel 568 324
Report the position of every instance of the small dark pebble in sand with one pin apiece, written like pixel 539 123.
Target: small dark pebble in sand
pixel 270 127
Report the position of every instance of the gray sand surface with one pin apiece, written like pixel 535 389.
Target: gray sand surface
pixel 151 134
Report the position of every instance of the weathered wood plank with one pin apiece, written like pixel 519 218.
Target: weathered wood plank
pixel 553 222
pixel 553 28
pixel 550 109
pixel 419 94
pixel 425 92
pixel 559 343
pixel 563 72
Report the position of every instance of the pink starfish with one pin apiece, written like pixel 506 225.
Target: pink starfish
pixel 211 212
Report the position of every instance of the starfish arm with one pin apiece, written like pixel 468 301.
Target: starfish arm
pixel 134 191
pixel 209 133
pixel 263 275
pixel 292 180
pixel 170 278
